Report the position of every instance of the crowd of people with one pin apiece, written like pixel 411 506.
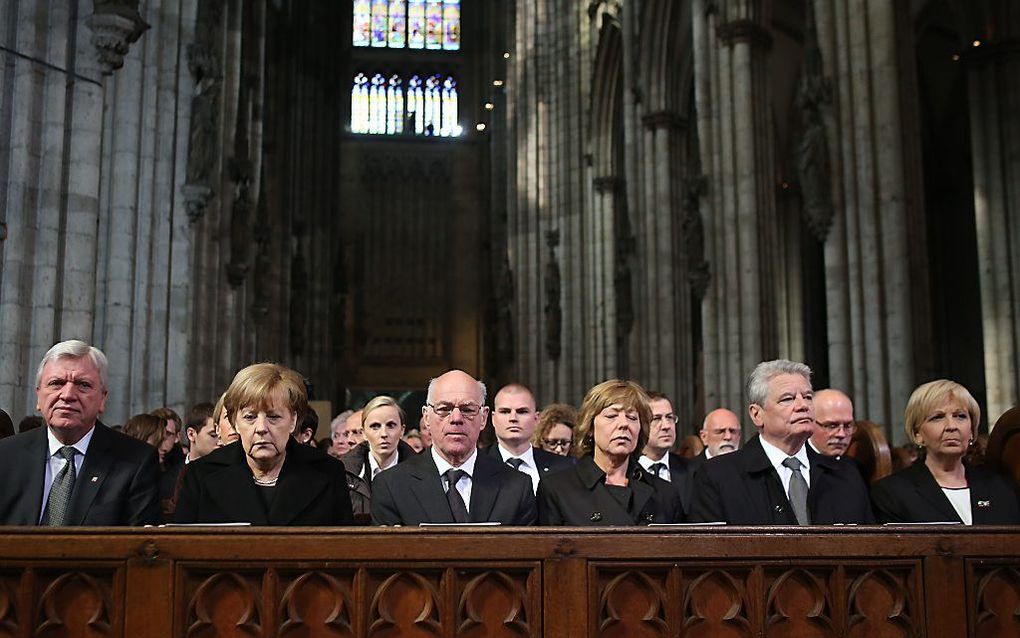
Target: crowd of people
pixel 616 460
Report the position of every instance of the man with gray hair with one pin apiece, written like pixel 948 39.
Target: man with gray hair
pixel 451 482
pixel 775 479
pixel 76 471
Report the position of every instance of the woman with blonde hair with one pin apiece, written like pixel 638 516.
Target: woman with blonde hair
pixel 383 423
pixel 942 419
pixel 608 486
pixel 268 478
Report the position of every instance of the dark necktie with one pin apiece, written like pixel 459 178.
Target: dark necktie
pixel 515 463
pixel 798 491
pixel 655 469
pixel 59 501
pixel 457 507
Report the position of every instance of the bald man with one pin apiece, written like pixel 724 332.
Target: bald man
pixel 720 432
pixel 834 423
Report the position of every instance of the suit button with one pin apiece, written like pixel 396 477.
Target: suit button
pixel 779 509
pixel 596 517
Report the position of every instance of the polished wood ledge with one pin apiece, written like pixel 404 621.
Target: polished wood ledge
pixel 705 581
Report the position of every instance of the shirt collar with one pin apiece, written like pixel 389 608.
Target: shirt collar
pixel 442 464
pixel 373 464
pixel 528 457
pixel 647 462
pixel 777 456
pixel 82 445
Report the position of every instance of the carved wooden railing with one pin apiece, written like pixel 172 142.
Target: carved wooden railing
pixel 938 581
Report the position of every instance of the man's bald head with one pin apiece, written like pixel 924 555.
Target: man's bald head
pixel 834 422
pixel 720 432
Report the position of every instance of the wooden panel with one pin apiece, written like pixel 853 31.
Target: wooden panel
pixel 882 602
pixel 715 602
pixel 317 603
pixel 78 602
pixel 10 584
pixel 630 601
pixel 498 602
pixel 994 598
pixel 223 603
pixel 405 603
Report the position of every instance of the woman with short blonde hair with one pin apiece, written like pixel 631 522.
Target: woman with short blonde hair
pixel 269 478
pixel 942 419
pixel 608 487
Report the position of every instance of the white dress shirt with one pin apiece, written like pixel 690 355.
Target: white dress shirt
pixel 54 463
pixel 777 456
pixel 647 462
pixel 528 466
pixel 464 484
pixel 372 468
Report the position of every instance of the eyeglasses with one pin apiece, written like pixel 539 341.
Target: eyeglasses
pixel 444 410
pixel 557 443
pixel 833 427
pixel 669 418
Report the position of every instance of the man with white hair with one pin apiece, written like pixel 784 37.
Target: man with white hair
pixel 76 471
pixel 451 482
pixel 776 479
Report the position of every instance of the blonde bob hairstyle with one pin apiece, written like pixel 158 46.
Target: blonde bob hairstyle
pixel 926 398
pixel 257 385
pixel 627 394
pixel 382 401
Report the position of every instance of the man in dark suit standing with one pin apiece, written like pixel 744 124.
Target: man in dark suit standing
pixel 776 479
pixel 76 471
pixel 451 482
pixel 657 457
pixel 514 419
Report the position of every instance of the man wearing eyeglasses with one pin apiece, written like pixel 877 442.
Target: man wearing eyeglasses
pixel 834 423
pixel 451 482
pixel 514 419
pixel 657 457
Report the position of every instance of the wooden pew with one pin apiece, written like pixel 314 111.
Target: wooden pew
pixel 871 451
pixel 1003 451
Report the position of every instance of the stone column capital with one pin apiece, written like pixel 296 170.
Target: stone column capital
pixel 115 26
pixel 729 33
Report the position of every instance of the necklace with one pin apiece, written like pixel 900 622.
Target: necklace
pixel 266 482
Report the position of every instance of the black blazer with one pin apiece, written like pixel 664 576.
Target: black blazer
pixel 117 483
pixel 742 488
pixel 913 496
pixel 355 462
pixel 680 477
pixel 579 497
pixel 546 461
pixel 412 493
pixel 311 490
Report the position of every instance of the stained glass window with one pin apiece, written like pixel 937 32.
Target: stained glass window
pixel 362 23
pixel 414 24
pixel 428 106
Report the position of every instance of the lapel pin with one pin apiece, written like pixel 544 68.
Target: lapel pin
pixel 95 479
pixel 596 517
pixel 984 503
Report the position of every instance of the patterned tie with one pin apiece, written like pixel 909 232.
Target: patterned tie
pixel 457 507
pixel 655 469
pixel 59 501
pixel 515 463
pixel 798 491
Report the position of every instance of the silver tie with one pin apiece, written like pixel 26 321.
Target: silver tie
pixel 59 501
pixel 798 491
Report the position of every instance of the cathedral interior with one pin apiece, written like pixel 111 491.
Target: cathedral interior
pixel 557 193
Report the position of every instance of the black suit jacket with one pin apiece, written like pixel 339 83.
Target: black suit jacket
pixel 117 483
pixel 913 496
pixel 547 462
pixel 361 488
pixel 311 490
pixel 579 497
pixel 680 477
pixel 742 488
pixel 412 493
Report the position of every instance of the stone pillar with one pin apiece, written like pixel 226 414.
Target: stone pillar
pixel 868 254
pixel 993 70
pixel 735 133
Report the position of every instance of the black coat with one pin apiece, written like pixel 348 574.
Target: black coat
pixel 311 490
pixel 913 496
pixel 117 483
pixel 681 475
pixel 579 497
pixel 742 488
pixel 360 487
pixel 412 493
pixel 547 462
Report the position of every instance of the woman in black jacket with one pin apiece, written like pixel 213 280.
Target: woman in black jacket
pixel 941 419
pixel 266 477
pixel 383 423
pixel 607 486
